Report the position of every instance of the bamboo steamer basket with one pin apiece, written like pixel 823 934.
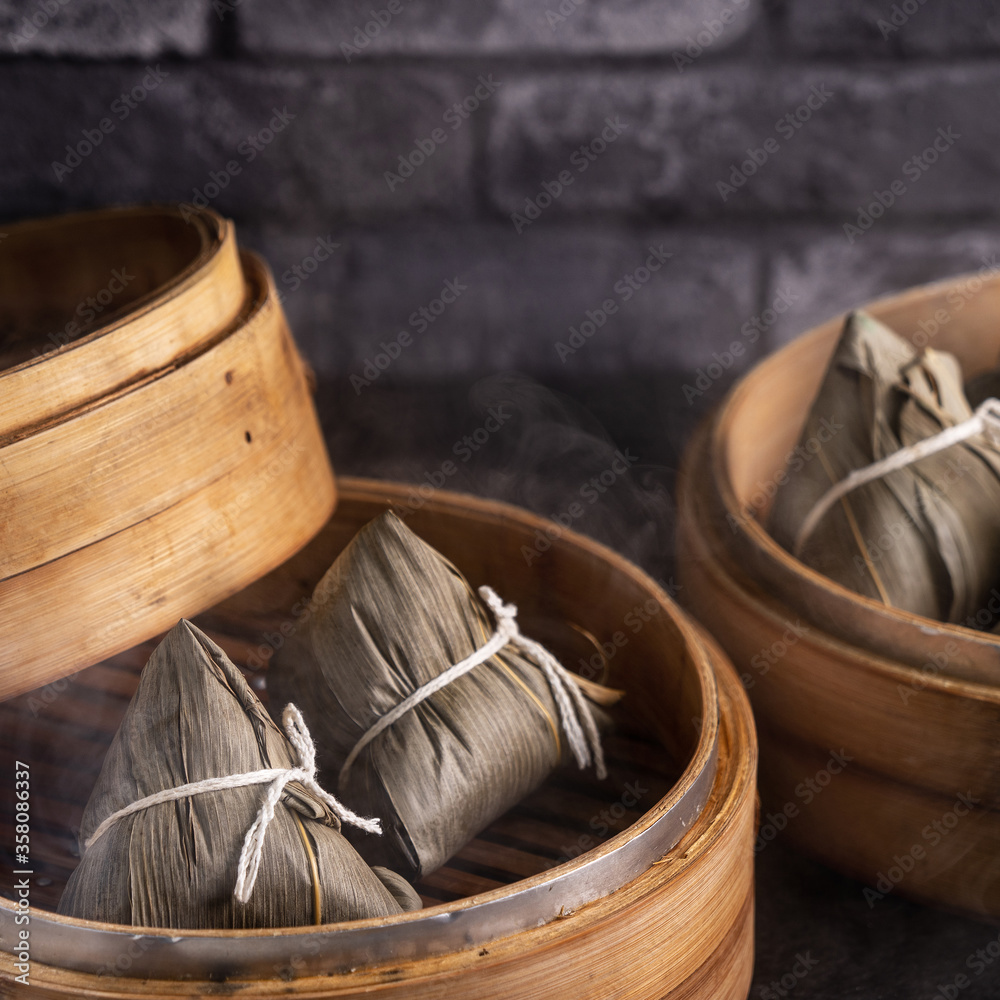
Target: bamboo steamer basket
pixel 818 661
pixel 908 763
pixel 661 906
pixel 760 422
pixel 162 495
pixel 155 285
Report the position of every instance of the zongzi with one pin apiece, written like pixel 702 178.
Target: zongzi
pixel 925 537
pixel 182 861
pixel 414 735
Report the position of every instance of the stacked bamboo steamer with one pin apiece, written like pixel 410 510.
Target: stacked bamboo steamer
pixel 879 729
pixel 158 447
pixel 662 908
pixel 186 415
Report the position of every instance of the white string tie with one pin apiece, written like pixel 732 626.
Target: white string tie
pixel 253 844
pixel 574 712
pixel 985 420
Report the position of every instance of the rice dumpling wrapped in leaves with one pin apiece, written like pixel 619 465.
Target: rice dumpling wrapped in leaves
pixel 924 538
pixel 176 863
pixel 390 617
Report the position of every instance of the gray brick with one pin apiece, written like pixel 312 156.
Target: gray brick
pixel 521 295
pixel 312 289
pixel 349 30
pixel 102 29
pixel 126 164
pixel 821 275
pixel 349 127
pixel 689 134
pixel 904 27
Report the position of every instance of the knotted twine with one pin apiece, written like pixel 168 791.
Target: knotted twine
pixel 985 420
pixel 253 844
pixel 574 712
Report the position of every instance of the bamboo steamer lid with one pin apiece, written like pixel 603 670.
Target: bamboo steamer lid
pixel 189 463
pixel 759 424
pixel 664 907
pixel 94 301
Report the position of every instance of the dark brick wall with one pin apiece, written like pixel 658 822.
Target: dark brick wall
pixel 599 129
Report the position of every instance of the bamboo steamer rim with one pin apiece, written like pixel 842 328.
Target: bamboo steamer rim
pixel 142 575
pixel 766 561
pixel 697 517
pixel 86 946
pixel 171 319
